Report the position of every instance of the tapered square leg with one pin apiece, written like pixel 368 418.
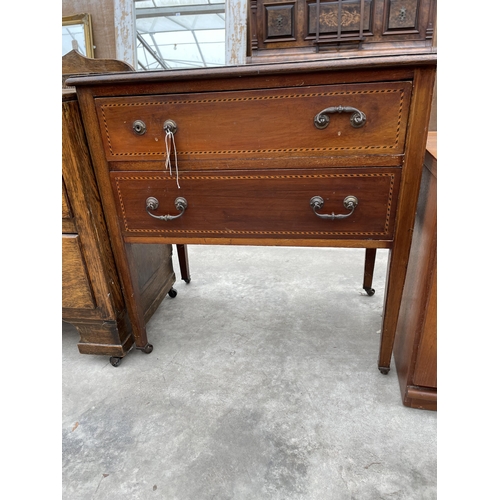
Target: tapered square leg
pixel 182 254
pixel 370 255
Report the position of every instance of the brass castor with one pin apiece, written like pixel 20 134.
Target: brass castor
pixel 383 370
pixel 369 291
pixel 172 293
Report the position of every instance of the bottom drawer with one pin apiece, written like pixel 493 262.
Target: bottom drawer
pixel 260 204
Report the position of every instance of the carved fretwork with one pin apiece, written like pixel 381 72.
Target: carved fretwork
pixel 350 17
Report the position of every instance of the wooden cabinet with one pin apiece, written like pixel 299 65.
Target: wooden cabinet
pixel 92 297
pixel 293 28
pixel 415 348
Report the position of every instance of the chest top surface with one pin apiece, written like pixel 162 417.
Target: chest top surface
pixel 353 69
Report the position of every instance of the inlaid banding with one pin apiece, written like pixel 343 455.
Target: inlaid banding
pixel 261 151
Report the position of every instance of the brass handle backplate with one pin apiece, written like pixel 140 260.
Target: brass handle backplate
pixel 350 202
pixel 170 126
pixel 358 118
pixel 139 127
pixel 180 204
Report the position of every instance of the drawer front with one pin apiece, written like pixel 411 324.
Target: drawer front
pixel 265 204
pixel 258 123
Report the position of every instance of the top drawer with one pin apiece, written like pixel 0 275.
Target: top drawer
pixel 269 123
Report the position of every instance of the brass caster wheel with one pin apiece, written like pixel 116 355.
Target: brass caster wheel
pixel 187 280
pixel 172 293
pixel 369 291
pixel 383 370
pixel 115 361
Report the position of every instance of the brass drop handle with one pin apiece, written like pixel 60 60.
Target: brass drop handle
pixel 350 202
pixel 180 204
pixel 358 118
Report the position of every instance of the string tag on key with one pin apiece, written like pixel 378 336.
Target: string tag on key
pixel 170 144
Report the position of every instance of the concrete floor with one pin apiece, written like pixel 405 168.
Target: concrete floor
pixel 263 384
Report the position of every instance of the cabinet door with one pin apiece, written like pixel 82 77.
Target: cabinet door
pixel 76 290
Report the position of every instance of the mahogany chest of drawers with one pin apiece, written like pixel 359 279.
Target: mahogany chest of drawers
pixel 321 153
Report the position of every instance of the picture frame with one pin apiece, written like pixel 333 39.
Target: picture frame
pixel 77 34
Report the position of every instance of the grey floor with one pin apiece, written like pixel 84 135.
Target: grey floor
pixel 263 384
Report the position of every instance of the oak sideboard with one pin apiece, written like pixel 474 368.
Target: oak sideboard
pixel 92 298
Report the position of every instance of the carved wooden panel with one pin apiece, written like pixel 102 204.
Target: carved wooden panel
pixel 402 14
pixel 280 21
pixel 349 13
pixel 398 25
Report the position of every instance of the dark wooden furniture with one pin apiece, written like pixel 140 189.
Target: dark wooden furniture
pixel 92 299
pixel 415 348
pixel 292 29
pixel 266 155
